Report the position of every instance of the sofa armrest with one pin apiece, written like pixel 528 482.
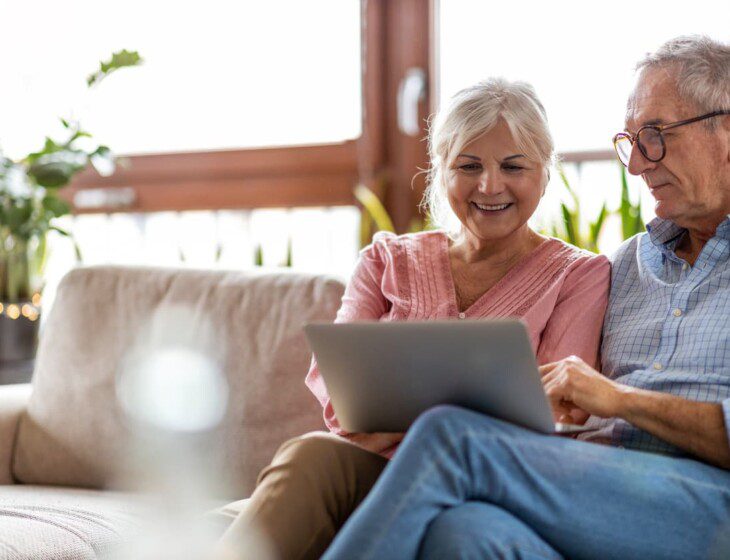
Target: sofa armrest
pixel 13 402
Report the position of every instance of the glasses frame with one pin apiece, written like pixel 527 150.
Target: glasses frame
pixel 633 138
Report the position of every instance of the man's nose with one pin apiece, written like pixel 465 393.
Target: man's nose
pixel 638 163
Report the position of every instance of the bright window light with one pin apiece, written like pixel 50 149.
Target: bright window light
pixel 578 55
pixel 217 75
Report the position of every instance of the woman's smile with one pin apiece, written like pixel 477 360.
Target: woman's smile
pixel 491 208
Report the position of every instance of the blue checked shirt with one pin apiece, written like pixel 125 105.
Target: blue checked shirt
pixel 667 327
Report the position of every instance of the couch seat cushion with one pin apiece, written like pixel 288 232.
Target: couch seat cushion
pixel 44 523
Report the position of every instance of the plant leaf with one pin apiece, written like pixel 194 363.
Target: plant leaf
pixel 103 161
pixel 566 183
pixel 568 223
pixel 596 227
pixel 120 59
pixel 371 203
pixel 70 236
pixel 56 206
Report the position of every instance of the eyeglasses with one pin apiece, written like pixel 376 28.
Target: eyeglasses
pixel 650 140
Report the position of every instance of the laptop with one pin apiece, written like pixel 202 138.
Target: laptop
pixel 382 375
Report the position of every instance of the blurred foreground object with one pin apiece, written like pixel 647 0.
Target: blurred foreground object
pixel 174 394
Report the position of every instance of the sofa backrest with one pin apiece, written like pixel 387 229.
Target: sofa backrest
pixel 74 431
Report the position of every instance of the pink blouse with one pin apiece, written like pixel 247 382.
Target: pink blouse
pixel 559 291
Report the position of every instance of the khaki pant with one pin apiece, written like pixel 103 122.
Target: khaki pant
pixel 307 493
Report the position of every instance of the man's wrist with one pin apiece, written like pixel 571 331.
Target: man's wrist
pixel 625 401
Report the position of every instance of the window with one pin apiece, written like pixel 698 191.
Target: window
pixel 217 74
pixel 579 56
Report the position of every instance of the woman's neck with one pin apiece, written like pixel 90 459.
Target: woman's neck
pixel 499 252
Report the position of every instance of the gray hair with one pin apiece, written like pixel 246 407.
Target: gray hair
pixel 471 113
pixel 701 67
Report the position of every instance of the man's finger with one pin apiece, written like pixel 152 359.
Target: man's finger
pixel 553 374
pixel 579 415
pixel 547 368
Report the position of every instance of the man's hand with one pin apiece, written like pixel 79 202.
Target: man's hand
pixel 376 442
pixel 576 390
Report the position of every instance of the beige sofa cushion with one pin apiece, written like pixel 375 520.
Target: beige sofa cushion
pixel 65 524
pixel 73 432
pixel 13 401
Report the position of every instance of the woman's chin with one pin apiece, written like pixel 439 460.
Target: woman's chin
pixel 492 233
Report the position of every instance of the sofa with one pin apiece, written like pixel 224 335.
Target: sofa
pixel 64 438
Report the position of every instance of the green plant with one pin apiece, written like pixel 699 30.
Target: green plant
pixel 30 200
pixel 376 218
pixel 571 226
pixel 631 221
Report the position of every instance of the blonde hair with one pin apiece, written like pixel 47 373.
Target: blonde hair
pixel 471 113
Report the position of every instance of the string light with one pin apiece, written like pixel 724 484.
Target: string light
pixel 30 311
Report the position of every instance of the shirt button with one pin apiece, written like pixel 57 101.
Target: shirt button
pixel 685 266
pixel 677 312
pixel 462 315
pixel 657 366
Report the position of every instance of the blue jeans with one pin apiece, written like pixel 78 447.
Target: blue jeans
pixel 464 485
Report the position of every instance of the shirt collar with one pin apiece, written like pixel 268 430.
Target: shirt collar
pixel 663 232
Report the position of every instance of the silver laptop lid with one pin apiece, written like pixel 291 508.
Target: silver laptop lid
pixel 382 375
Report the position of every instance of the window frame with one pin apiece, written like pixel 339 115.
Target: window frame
pixel 295 176
pixel 396 35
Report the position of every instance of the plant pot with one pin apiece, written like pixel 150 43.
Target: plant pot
pixel 18 332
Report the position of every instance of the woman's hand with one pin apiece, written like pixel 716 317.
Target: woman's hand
pixel 376 442
pixel 576 390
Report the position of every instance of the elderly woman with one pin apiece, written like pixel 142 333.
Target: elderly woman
pixel 490 153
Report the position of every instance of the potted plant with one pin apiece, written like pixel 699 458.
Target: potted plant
pixel 29 205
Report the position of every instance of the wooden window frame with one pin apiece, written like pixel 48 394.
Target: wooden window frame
pixel 396 36
pixel 392 40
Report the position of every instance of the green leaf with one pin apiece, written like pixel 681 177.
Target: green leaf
pixel 49 147
pixel 596 227
pixel 288 258
pixel 54 174
pixel 566 183
pixel 69 235
pixel 56 206
pixel 76 135
pixel 18 215
pixel 568 223
pixel 120 59
pixel 103 161
pixel 366 228
pixel 372 205
pixel 258 255
pixel 639 226
pixel 631 220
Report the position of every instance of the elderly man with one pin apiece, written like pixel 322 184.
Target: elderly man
pixel 464 485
